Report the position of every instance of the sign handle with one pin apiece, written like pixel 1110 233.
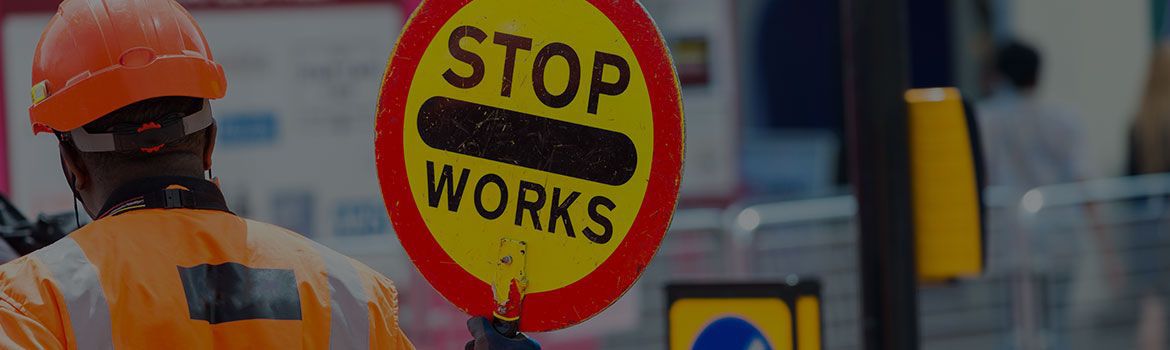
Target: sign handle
pixel 510 285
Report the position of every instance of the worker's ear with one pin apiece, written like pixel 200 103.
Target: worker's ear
pixel 74 168
pixel 209 146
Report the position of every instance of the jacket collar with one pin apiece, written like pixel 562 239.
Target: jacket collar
pixel 165 192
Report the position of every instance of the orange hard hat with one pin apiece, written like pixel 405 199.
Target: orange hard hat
pixel 96 56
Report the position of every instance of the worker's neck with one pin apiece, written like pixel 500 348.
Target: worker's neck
pixel 99 195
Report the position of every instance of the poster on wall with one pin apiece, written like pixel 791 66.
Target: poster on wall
pixel 295 128
pixel 700 35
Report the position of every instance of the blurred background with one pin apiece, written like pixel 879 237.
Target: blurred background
pixel 1072 99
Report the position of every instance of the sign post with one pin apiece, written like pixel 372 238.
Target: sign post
pixel 530 153
pixel 876 55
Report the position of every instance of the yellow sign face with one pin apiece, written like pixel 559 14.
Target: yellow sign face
pixel 536 128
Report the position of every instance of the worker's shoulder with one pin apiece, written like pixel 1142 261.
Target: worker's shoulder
pixel 23 281
pixel 265 231
pixel 276 237
pixel 378 282
pixel 374 280
pixel 22 269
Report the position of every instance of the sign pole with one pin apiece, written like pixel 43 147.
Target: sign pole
pixel 876 63
pixel 510 285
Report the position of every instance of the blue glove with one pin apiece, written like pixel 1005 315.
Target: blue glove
pixel 488 338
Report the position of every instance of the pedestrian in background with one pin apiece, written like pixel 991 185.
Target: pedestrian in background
pixel 1029 144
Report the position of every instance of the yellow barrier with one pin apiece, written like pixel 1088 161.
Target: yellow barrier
pixel 947 212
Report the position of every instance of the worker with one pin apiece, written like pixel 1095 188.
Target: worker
pixel 125 87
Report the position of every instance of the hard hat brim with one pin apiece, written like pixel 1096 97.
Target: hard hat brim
pixel 88 98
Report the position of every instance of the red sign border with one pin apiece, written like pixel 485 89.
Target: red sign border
pixel 581 300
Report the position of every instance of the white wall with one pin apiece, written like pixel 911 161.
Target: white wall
pixel 711 111
pixel 1096 54
pixel 295 142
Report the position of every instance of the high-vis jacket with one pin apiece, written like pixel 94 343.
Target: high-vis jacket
pixel 166 266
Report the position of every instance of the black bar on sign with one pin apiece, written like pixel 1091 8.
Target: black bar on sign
pixel 233 292
pixel 526 140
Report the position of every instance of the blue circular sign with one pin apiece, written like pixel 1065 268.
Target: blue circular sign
pixel 731 333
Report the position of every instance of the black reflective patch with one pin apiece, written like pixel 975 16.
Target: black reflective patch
pixel 233 292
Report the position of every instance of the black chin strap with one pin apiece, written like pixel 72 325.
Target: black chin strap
pixel 72 179
pixel 76 212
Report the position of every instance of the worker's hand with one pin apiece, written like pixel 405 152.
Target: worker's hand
pixel 488 338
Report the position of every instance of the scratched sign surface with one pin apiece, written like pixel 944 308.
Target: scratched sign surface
pixel 556 123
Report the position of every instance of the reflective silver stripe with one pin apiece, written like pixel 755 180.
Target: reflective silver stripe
pixel 76 277
pixel 349 325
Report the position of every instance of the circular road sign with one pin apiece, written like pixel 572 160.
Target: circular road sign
pixel 552 124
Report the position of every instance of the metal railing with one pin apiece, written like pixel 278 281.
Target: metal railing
pixel 1070 266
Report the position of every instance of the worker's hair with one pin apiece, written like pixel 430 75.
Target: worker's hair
pixel 182 157
pixel 1019 63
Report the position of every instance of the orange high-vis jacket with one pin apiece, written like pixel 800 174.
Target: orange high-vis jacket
pixel 185 278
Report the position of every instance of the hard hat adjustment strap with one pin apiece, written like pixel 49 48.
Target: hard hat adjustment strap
pixel 148 137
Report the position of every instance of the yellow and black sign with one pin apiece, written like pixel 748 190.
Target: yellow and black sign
pixel 537 129
pixel 556 125
pixel 945 169
pixel 744 316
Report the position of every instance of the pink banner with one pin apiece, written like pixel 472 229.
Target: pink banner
pixel 5 181
pixel 408 6
pixel 18 6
